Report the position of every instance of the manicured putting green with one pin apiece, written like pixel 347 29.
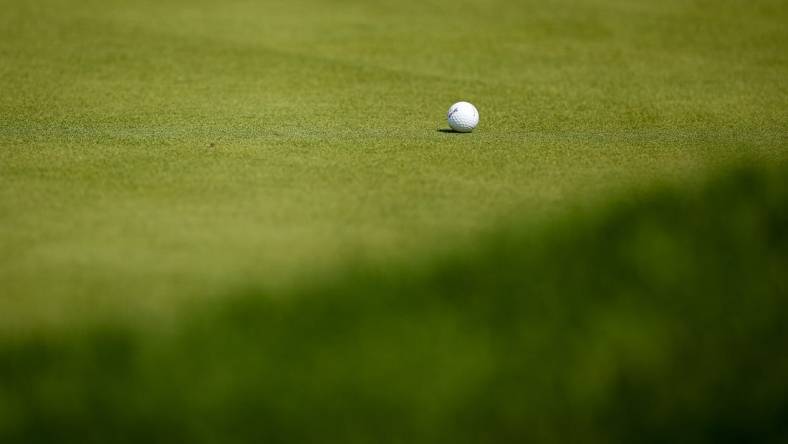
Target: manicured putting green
pixel 661 321
pixel 153 152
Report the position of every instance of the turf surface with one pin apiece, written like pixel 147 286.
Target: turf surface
pixel 661 321
pixel 157 152
pixel 240 221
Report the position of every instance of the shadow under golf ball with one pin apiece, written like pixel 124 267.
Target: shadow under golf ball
pixel 451 131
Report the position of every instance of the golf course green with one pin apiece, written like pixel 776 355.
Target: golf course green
pixel 246 221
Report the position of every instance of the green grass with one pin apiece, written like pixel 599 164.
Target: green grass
pixel 656 321
pixel 157 152
pixel 238 221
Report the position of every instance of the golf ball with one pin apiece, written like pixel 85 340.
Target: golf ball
pixel 463 117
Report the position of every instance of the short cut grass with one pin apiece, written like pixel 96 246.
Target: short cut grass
pixel 155 152
pixel 657 321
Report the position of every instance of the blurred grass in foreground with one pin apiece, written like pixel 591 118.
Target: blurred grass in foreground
pixel 657 321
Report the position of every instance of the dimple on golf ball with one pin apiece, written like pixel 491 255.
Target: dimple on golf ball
pixel 463 117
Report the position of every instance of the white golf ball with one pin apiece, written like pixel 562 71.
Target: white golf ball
pixel 463 117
